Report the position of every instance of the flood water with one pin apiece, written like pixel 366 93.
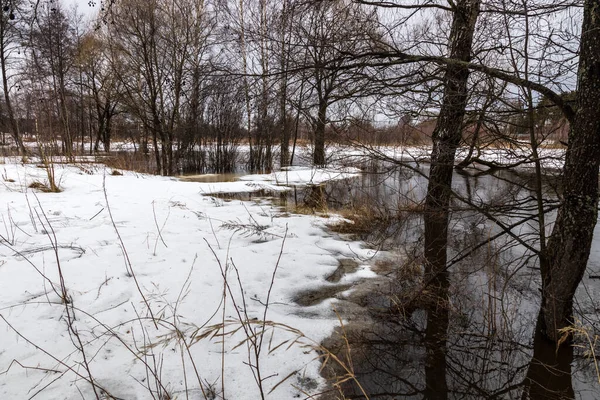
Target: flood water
pixel 472 333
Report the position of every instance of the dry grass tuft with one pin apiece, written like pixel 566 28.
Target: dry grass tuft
pixel 42 187
pixel 129 161
pixel 303 209
pixel 359 221
pixel 586 339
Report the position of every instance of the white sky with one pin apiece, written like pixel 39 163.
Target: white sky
pixel 83 7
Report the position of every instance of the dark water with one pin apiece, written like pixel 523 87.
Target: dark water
pixel 472 333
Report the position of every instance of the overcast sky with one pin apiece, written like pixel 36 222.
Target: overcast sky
pixel 83 6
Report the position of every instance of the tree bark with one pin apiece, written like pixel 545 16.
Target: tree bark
pixel 284 154
pixel 14 126
pixel 446 138
pixel 4 54
pixel 319 151
pixel 569 245
pixel 436 337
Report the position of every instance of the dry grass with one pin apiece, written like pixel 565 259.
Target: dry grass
pixel 360 220
pixel 130 161
pixel 587 340
pixel 5 177
pixel 42 187
pixel 303 209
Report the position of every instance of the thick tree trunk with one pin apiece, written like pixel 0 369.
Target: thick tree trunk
pixel 3 64
pixel 99 131
pixel 446 138
pixel 107 131
pixel 284 156
pixel 436 336
pixel 156 152
pixel 64 112
pixel 569 245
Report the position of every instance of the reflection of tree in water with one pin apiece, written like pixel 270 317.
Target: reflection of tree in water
pixel 435 354
pixel 435 339
pixel 549 373
pixel 470 333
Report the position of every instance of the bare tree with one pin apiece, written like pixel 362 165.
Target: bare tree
pixel 11 29
pixel 52 51
pixel 101 84
pixel 568 249
pixel 329 31
pixel 152 49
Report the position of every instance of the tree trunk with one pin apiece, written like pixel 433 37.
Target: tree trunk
pixel 569 245
pixel 99 132
pixel 156 152
pixel 107 129
pixel 446 138
pixel 436 336
pixel 4 53
pixel 14 126
pixel 284 155
pixel 319 151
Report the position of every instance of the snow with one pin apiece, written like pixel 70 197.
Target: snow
pixel 550 156
pixel 238 187
pixel 304 176
pixel 179 244
pixel 364 271
pixel 279 181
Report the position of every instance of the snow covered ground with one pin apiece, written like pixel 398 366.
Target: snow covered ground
pixel 519 153
pixel 279 181
pixel 143 299
pixel 304 175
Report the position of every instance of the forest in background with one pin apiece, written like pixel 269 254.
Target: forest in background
pixel 187 82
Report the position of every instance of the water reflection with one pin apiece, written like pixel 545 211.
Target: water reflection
pixel 435 339
pixel 429 356
pixel 549 373
pixel 467 329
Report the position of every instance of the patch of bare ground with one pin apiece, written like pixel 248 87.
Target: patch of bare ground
pixel 316 296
